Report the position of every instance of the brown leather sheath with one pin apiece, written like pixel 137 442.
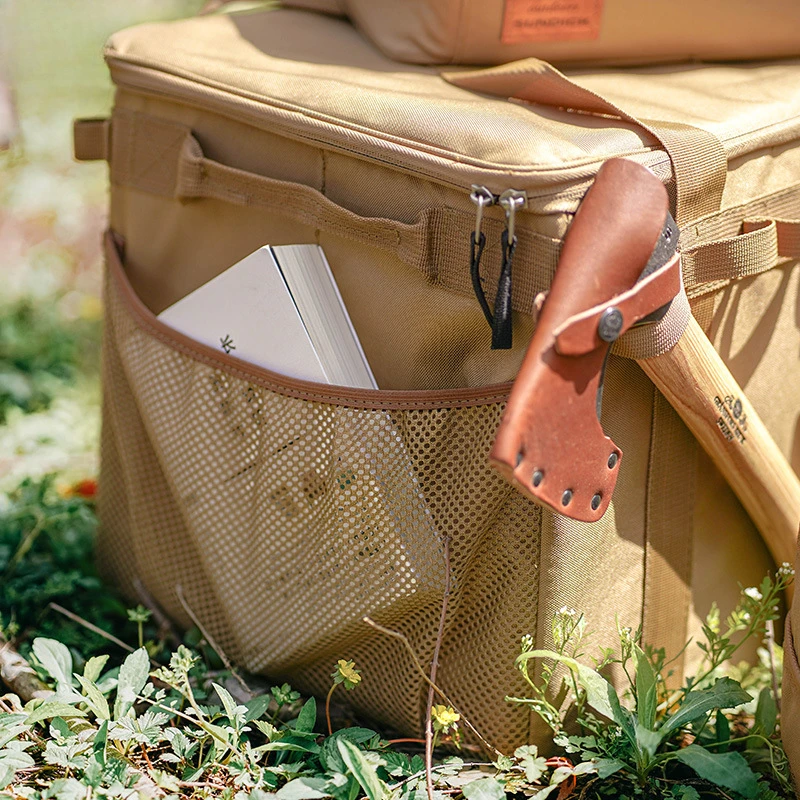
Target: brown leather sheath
pixel 550 443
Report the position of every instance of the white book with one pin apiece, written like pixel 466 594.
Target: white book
pixel 279 308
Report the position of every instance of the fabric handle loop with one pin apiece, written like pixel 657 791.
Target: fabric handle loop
pixel 763 244
pixel 699 162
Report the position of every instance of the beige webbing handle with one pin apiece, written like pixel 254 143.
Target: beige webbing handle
pixel 761 246
pixel 700 387
pixel 698 159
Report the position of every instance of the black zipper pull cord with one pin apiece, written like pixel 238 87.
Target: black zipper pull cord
pixel 511 200
pixel 482 197
pixel 501 324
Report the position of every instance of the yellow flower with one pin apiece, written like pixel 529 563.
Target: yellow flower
pixel 347 674
pixel 444 718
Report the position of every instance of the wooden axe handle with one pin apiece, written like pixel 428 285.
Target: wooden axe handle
pixel 700 387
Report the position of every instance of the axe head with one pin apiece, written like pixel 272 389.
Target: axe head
pixel 618 267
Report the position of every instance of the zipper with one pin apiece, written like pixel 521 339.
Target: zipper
pixel 499 319
pixel 454 169
pixel 141 75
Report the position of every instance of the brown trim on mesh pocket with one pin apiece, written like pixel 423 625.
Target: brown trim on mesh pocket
pixel 281 384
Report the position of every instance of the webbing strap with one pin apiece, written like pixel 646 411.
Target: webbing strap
pixel 699 162
pixel 669 533
pixel 763 244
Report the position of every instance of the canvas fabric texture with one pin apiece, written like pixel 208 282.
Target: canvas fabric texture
pixel 582 32
pixel 282 512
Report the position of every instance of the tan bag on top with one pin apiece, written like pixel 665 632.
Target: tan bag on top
pixel 580 32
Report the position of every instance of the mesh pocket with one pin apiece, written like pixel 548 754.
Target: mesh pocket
pixel 288 512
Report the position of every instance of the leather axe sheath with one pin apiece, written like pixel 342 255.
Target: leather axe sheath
pixel 619 267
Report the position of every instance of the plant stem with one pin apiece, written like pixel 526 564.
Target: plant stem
pixel 99 631
pixel 214 646
pixel 770 640
pixel 404 639
pixel 328 708
pixel 166 630
pixel 434 668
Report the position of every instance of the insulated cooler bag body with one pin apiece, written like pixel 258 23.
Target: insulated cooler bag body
pixel 585 32
pixel 285 511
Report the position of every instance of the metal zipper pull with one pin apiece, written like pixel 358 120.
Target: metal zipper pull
pixel 512 200
pixel 482 198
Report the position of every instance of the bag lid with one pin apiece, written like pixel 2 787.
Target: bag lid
pixel 314 78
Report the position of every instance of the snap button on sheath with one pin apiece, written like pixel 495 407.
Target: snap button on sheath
pixel 610 325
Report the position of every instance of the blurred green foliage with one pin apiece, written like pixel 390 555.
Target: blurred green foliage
pixel 46 556
pixel 40 353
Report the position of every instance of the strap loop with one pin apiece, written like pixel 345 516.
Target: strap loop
pixel 90 139
pixel 762 245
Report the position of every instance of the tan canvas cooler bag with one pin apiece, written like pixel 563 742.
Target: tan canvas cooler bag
pixel 596 32
pixel 255 496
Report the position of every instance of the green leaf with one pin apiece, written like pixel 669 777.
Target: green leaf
pixel 303 789
pixel 766 712
pixel 55 658
pixel 53 708
pixel 94 668
pixel 6 775
pixel 647 740
pixel 355 735
pixel 220 736
pixel 329 752
pixel 94 698
pixel 546 792
pixel 723 732
pixel 361 769
pixel 530 760
pixel 685 793
pixel 257 707
pixel 99 743
pixel 606 767
pixel 58 727
pixel 484 789
pixel 280 747
pixel 133 675
pixel 307 717
pixel 14 728
pixel 233 711
pixel 67 789
pixel 725 693
pixel 646 701
pixel 728 770
pixel 15 759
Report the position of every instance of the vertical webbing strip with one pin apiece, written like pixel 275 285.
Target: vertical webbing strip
pixel 699 165
pixel 669 534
